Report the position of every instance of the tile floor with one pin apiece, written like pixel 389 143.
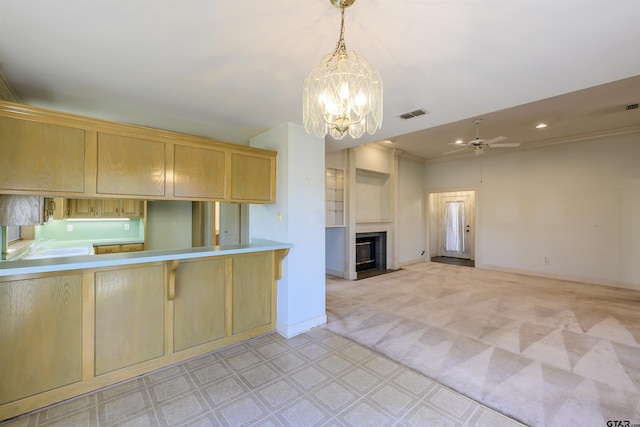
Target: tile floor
pixel 314 379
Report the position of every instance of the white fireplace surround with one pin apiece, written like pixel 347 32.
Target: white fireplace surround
pixel 371 193
pixel 386 227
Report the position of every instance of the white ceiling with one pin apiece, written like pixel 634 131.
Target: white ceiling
pixel 231 70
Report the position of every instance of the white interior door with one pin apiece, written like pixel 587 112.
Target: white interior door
pixel 230 223
pixel 456 234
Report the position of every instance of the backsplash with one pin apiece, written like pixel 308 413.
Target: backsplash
pixel 91 230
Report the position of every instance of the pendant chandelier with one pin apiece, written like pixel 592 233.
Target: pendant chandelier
pixel 343 94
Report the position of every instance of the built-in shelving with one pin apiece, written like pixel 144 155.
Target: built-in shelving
pixel 334 197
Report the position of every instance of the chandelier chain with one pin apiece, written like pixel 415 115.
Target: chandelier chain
pixel 341 48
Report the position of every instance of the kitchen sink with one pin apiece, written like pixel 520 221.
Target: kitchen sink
pixel 60 252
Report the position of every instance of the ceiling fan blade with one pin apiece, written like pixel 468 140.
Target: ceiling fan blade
pixel 493 140
pixel 508 144
pixel 454 151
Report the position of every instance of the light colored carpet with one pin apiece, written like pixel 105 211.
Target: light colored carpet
pixel 542 351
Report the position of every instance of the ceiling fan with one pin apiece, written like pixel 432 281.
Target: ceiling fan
pixel 478 144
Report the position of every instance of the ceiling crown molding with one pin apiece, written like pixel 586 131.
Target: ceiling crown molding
pixel 6 93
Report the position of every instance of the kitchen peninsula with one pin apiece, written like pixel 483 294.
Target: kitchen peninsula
pixel 74 324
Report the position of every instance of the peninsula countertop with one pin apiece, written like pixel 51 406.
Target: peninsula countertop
pixel 10 268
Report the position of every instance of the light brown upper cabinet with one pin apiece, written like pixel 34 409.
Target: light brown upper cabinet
pixel 130 208
pixel 104 208
pixel 252 178
pixel 82 208
pixel 44 152
pixel 121 208
pixel 41 157
pixel 199 173
pixel 110 207
pixel 130 166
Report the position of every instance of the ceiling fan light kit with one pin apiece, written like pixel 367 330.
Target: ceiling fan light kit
pixel 478 144
pixel 343 94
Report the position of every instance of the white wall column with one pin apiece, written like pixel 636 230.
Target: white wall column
pixel 297 217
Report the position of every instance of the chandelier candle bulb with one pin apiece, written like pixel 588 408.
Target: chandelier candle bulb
pixel 343 94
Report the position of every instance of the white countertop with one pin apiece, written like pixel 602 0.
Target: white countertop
pixel 9 268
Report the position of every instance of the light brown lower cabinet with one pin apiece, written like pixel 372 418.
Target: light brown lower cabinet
pixel 129 317
pixel 251 292
pixel 63 334
pixel 112 249
pixel 40 335
pixel 199 303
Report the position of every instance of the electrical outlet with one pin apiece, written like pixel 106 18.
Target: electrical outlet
pixel 545 260
pixel 127 227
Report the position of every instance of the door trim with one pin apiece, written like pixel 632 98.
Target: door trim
pixel 434 221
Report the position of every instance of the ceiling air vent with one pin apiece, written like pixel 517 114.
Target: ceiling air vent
pixel 632 106
pixel 412 114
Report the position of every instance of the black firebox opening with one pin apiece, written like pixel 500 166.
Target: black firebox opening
pixel 371 251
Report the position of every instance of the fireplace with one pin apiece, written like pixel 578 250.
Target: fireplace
pixel 371 253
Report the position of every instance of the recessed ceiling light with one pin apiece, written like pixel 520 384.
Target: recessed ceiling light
pixel 459 142
pixel 541 125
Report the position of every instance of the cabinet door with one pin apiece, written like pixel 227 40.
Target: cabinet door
pixel 132 247
pixel 252 178
pixel 199 173
pixel 109 208
pixel 40 335
pixel 129 317
pixel 131 208
pixel 107 249
pixel 41 157
pixel 199 303
pixel 105 208
pixel 131 166
pixel 82 208
pixel 252 291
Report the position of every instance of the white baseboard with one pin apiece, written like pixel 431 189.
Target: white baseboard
pixel 289 331
pixel 567 277
pixel 334 272
pixel 414 261
pixel 342 274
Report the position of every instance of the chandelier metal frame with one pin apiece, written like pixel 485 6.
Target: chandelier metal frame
pixel 343 94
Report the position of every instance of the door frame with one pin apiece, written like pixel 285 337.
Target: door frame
pixel 434 221
pixel 240 219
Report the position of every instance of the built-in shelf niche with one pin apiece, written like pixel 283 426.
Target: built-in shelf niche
pixel 334 201
pixel 372 196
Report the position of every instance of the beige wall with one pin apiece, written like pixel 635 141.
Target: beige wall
pixel 575 204
pixel 168 224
